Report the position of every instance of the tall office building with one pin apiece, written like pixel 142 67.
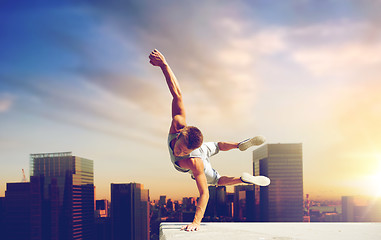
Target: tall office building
pixel 2 214
pixel 217 202
pixel 130 212
pixel 102 208
pixel 348 206
pixel 244 203
pixel 360 209
pixel 102 220
pixel 67 193
pixel 163 200
pixel 230 205
pixel 282 200
pixel 22 207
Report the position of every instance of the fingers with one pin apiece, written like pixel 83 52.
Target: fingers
pixel 154 53
pixel 190 228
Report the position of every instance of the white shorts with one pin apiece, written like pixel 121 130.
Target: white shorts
pixel 205 152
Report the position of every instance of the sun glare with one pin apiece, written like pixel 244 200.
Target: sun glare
pixel 376 178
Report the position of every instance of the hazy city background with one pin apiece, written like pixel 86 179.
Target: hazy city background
pixel 76 77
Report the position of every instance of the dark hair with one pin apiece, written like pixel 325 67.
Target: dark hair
pixel 192 136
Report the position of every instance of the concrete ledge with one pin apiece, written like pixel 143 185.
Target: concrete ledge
pixel 274 231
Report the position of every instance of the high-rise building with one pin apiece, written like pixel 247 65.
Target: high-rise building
pixel 2 214
pixel 67 193
pixel 162 200
pixel 244 203
pixel 23 211
pixel 130 212
pixel 217 202
pixel 230 205
pixel 169 206
pixel 282 200
pixel 348 206
pixel 102 208
pixel 189 203
pixel 360 209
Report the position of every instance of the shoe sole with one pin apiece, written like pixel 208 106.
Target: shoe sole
pixel 255 141
pixel 257 180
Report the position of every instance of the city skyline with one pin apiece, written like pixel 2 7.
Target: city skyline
pixel 74 78
pixel 178 197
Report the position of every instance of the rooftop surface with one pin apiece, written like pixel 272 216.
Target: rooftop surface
pixel 273 231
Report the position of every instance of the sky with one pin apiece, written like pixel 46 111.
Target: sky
pixel 75 76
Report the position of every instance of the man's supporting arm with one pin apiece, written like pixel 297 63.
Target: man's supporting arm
pixel 197 168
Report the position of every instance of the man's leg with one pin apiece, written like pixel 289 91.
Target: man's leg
pixel 224 180
pixel 255 141
pixel 245 178
pixel 226 146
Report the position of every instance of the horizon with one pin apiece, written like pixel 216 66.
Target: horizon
pixel 178 197
pixel 76 76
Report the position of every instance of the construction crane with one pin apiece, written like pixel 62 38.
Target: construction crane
pixel 23 176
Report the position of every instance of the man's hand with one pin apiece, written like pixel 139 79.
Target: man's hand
pixel 191 227
pixel 157 59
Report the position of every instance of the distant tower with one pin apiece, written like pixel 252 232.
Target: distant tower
pixel 217 202
pixel 348 208
pixel 22 208
pixel 67 190
pixel 23 176
pixel 307 218
pixel 282 200
pixel 130 212
pixel 244 203
pixel 102 208
pixel 162 200
pixel 2 216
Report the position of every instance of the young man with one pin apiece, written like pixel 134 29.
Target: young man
pixel 188 152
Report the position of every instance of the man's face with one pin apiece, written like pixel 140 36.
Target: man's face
pixel 180 148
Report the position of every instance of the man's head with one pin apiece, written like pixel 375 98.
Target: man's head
pixel 189 139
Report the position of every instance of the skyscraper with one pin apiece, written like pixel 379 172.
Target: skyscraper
pixel 23 211
pixel 244 203
pixel 217 202
pixel 67 192
pixel 348 206
pixel 130 212
pixel 2 214
pixel 102 208
pixel 282 200
pixel 163 200
pixel 361 209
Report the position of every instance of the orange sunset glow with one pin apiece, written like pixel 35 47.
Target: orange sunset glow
pixel 76 77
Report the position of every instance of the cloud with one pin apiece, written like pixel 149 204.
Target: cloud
pixel 195 49
pixel 6 102
pixel 336 47
pixel 347 57
pixel 215 53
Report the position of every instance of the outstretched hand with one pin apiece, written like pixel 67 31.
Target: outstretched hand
pixel 191 227
pixel 156 58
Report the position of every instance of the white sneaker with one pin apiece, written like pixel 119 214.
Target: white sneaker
pixel 257 180
pixel 255 141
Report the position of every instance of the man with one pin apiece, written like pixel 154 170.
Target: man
pixel 188 152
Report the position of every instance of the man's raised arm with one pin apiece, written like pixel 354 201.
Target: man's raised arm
pixel 178 109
